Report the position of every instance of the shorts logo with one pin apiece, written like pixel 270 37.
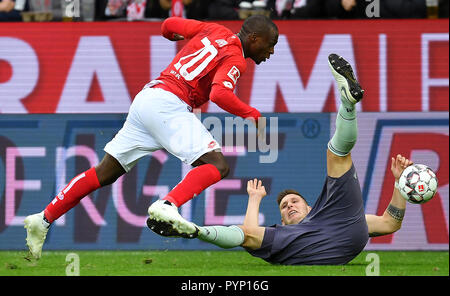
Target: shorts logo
pixel 212 144
pixel 234 74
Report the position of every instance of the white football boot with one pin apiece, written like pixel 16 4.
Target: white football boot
pixel 343 73
pixel 166 221
pixel 36 233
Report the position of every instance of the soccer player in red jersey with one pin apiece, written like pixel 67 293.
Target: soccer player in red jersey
pixel 160 117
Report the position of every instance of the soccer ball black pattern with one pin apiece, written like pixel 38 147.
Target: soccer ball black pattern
pixel 418 184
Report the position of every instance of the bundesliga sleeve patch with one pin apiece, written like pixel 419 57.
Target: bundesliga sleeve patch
pixel 234 74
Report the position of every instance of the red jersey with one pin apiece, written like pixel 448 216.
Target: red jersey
pixel 207 67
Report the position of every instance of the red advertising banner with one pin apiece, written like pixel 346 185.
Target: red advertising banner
pixel 403 65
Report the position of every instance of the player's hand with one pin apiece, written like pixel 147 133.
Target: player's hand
pixel 177 37
pixel 398 164
pixel 256 189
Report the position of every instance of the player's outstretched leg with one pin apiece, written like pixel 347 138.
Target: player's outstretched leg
pixel 37 225
pixel 351 93
pixel 222 236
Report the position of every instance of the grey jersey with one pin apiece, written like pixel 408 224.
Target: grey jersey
pixel 334 232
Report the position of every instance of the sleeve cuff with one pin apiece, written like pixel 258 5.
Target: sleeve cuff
pixel 255 114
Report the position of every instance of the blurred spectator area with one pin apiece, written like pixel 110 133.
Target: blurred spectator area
pixel 99 10
pixel 327 9
pixel 42 10
pixel 10 10
pixel 58 10
pixel 358 9
pixel 157 9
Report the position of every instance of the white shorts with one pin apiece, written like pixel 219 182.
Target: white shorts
pixel 160 120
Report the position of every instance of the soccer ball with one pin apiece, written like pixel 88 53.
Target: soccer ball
pixel 418 184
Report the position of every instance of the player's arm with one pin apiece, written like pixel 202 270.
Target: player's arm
pixel 253 233
pixel 224 97
pixel 177 28
pixel 392 218
pixel 222 90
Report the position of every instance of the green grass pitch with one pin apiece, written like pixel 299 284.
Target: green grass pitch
pixel 214 263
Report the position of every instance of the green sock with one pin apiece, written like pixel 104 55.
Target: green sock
pixel 346 132
pixel 222 236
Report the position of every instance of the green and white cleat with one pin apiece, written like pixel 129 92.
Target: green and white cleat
pixel 36 233
pixel 165 220
pixel 347 82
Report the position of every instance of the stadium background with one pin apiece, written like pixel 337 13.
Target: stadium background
pixel 65 89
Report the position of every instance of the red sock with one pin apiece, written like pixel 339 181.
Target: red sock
pixel 70 196
pixel 197 180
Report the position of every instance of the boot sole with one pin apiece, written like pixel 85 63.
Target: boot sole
pixel 343 68
pixel 167 229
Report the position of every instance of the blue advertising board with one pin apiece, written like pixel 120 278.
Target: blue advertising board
pixel 40 154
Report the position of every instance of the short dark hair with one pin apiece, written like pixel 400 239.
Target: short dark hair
pixel 283 193
pixel 259 24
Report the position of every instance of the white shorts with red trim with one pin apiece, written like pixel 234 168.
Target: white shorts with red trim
pixel 158 119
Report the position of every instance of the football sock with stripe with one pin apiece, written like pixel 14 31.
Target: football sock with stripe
pixel 222 236
pixel 346 132
pixel 70 196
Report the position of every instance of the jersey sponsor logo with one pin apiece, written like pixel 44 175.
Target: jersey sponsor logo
pixel 234 74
